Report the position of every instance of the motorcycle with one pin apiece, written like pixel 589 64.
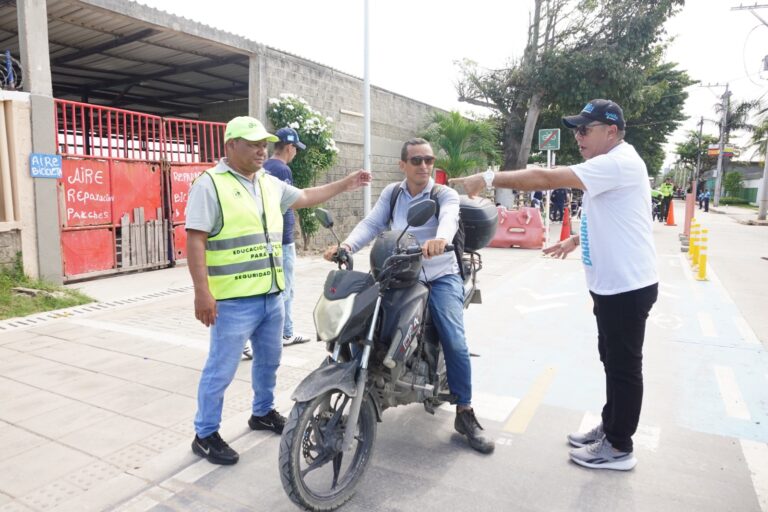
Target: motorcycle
pixel 384 352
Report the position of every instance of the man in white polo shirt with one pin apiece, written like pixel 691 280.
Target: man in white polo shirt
pixel 619 259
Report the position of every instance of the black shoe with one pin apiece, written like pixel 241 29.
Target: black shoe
pixel 466 424
pixel 214 449
pixel 273 421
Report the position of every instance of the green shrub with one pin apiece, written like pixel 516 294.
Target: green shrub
pixel 733 200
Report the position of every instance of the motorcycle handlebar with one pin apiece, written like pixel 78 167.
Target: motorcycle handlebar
pixel 416 249
pixel 343 259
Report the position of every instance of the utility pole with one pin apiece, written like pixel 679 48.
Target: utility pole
pixel 723 127
pixel 762 201
pixel 697 171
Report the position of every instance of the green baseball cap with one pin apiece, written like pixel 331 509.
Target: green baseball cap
pixel 247 128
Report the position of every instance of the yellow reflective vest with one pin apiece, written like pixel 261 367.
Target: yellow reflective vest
pixel 246 256
pixel 667 189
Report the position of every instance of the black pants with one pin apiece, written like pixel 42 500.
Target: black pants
pixel 620 334
pixel 665 207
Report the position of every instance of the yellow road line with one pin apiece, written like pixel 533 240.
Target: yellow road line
pixel 523 413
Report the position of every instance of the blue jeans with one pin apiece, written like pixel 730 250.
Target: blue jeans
pixel 289 258
pixel 259 319
pixel 446 305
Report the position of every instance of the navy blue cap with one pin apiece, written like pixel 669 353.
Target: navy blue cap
pixel 289 136
pixel 603 111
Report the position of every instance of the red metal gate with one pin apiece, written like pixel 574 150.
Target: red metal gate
pixel 124 186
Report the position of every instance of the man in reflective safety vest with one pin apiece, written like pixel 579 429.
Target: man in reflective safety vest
pixel 234 253
pixel 666 189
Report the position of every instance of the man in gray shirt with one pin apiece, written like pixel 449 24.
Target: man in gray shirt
pixel 234 252
pixel 440 271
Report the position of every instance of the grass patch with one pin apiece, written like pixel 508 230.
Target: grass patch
pixel 14 305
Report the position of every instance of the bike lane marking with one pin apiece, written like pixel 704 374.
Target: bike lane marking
pixel 735 406
pixel 523 413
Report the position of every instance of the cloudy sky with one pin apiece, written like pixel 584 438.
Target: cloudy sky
pixel 414 43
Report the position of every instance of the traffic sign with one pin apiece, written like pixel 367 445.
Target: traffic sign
pixel 549 139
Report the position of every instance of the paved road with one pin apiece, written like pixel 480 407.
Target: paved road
pixel 96 406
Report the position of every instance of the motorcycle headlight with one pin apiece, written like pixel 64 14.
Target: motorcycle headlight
pixel 332 315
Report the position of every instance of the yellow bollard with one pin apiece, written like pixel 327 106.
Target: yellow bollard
pixel 693 245
pixel 702 255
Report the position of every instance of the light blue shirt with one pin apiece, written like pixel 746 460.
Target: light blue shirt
pixel 378 220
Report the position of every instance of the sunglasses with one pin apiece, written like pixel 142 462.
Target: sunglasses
pixel 417 160
pixel 584 129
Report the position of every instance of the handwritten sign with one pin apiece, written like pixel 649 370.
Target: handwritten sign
pixel 181 181
pixel 43 165
pixel 87 194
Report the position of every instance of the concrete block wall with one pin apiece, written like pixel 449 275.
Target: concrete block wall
pixel 394 119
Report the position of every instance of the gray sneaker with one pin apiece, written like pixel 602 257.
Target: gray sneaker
pixel 296 339
pixel 601 455
pixel 247 351
pixel 579 439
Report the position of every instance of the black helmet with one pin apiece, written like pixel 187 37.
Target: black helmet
pixel 384 247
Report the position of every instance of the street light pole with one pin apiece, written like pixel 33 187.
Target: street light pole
pixel 366 114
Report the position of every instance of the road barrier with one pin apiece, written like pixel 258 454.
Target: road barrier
pixel 702 255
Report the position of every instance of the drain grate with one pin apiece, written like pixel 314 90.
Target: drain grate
pixel 42 318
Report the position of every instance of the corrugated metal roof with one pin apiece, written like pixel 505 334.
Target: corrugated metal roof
pixel 128 55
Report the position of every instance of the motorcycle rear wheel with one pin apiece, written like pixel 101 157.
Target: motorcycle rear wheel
pixel 316 474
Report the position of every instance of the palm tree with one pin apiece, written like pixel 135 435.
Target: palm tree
pixel 463 145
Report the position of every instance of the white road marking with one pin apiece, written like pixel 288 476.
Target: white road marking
pixel 165 337
pixel 525 309
pixel 745 330
pixel 707 325
pixel 667 321
pixel 489 406
pixel 646 437
pixel 550 296
pixel 735 406
pixel 756 455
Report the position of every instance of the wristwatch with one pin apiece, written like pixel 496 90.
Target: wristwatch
pixel 488 177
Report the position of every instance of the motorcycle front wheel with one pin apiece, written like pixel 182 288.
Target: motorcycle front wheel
pixel 316 473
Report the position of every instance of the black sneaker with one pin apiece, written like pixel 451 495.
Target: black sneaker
pixel 466 424
pixel 273 421
pixel 214 449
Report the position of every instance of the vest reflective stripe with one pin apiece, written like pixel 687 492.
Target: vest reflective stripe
pixel 248 266
pixel 241 262
pixel 217 245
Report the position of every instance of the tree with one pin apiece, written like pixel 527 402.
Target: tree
pixel 732 183
pixel 463 145
pixel 691 148
pixel 315 132
pixel 578 50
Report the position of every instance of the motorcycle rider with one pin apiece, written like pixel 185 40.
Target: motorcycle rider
pixel 440 271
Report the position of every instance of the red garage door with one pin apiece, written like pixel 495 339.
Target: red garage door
pixel 124 186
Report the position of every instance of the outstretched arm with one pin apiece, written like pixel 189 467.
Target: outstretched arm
pixel 536 178
pixel 316 195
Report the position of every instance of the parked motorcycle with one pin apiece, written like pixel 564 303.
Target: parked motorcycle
pixel 384 352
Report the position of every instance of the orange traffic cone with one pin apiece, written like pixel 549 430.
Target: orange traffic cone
pixel 565 231
pixel 671 214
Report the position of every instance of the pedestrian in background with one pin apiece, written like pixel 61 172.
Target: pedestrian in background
pixel 283 154
pixel 234 253
pixel 617 250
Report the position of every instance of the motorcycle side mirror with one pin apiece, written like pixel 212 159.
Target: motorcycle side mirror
pixel 419 213
pixel 324 217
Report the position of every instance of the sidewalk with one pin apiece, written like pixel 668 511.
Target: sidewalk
pixel 97 402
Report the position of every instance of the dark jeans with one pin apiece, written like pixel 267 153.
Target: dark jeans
pixel 620 334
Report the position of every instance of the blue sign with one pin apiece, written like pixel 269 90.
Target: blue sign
pixel 43 165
